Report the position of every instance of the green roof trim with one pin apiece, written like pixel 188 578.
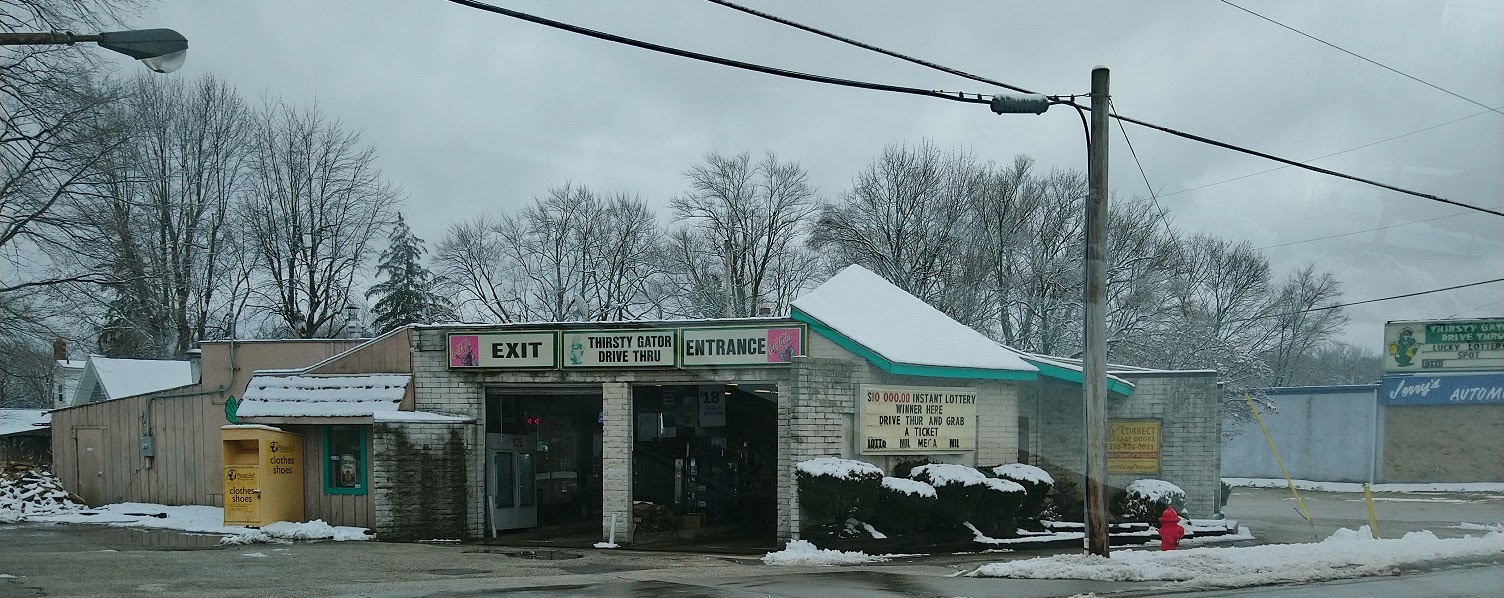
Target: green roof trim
pixel 905 369
pixel 1069 375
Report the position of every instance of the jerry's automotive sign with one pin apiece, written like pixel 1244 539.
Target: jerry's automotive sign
pixel 704 346
pixel 1442 389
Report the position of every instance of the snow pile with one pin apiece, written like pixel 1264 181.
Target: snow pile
pixel 26 492
pixel 1024 472
pixel 201 519
pixel 1025 536
pixel 837 467
pixel 945 474
pixel 1481 527
pixel 1346 554
pixel 802 552
pixel 1356 487
pixel 906 486
pixel 1154 490
pixel 607 545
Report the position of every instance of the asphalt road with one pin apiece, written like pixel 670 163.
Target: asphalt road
pixel 87 560
pixel 1271 513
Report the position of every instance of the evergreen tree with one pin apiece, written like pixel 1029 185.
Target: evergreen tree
pixel 406 296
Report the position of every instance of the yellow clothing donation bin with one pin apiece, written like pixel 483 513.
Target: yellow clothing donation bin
pixel 263 475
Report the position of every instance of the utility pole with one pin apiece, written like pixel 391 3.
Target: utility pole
pixel 1094 358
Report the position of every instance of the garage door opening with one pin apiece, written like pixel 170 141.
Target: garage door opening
pixel 704 465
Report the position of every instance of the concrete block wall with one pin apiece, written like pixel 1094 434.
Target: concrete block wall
pixel 616 461
pixel 1189 407
pixel 437 389
pixel 422 482
pixel 815 417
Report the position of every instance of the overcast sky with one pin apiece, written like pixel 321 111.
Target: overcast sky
pixel 474 112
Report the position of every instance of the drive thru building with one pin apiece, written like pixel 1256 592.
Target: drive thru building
pixel 667 430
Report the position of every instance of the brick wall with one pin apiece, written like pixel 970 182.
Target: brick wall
pixel 422 480
pixel 1189 408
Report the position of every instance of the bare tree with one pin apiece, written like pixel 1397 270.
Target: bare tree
pixel 158 213
pixel 751 217
pixel 570 255
pixel 1304 318
pixel 316 203
pixel 906 218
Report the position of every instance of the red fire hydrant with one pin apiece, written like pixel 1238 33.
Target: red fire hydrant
pixel 1170 531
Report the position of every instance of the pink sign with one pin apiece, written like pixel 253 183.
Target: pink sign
pixel 783 345
pixel 464 351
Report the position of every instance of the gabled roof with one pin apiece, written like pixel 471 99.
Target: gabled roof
pixel 120 378
pixel 902 334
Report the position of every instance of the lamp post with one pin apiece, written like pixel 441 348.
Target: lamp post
pixel 1094 343
pixel 161 50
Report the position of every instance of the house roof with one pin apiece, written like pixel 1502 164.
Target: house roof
pixel 21 421
pixel 902 334
pixel 130 377
pixel 378 396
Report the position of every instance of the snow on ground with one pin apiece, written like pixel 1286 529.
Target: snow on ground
pixel 25 491
pixel 1356 487
pixel 606 545
pixel 1026 536
pixel 837 467
pixel 1346 554
pixel 802 552
pixel 1483 527
pixel 1022 471
pixel 199 519
pixel 908 486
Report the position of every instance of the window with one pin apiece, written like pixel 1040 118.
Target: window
pixel 344 460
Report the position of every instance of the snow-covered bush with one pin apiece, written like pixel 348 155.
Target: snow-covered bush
pixel 997 516
pixel 904 506
pixel 1037 484
pixel 962 491
pixel 833 490
pixel 1143 501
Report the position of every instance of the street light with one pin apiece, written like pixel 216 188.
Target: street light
pixel 161 50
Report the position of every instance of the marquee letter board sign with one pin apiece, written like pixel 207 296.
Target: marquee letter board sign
pixel 916 420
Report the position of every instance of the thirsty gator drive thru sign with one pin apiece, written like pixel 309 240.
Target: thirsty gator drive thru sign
pixel 1444 345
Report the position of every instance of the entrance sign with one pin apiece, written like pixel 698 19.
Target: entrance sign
pixel 1444 345
pixel 1442 389
pixel 742 345
pixel 1133 445
pixel 620 348
pixel 916 420
pixel 504 350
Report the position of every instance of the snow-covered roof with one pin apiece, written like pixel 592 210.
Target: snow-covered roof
pixel 130 377
pixel 323 396
pixel 1045 362
pixel 900 328
pixel 72 364
pixel 18 421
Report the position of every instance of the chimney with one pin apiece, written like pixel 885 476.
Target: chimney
pixel 352 325
pixel 195 364
pixel 60 349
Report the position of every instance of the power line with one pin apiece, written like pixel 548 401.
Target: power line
pixel 1366 59
pixel 1359 232
pixel 944 95
pixel 1120 117
pixel 1322 157
pixel 1416 294
pixel 1162 218
pixel 1474 309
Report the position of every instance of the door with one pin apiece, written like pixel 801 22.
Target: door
pixel 89 464
pixel 511 482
